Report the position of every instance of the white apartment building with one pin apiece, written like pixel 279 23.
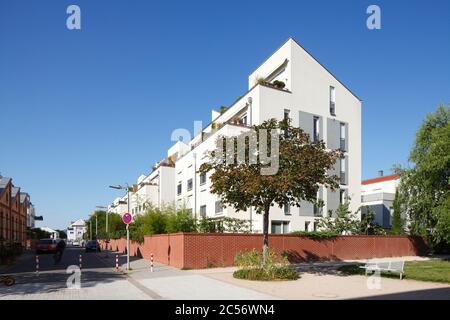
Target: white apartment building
pixel 379 194
pixel 76 230
pixel 312 97
pixel 316 101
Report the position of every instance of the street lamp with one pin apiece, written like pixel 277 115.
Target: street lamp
pixel 126 187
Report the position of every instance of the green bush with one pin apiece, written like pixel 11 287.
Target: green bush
pixel 261 274
pixel 315 234
pixel 279 84
pixel 252 266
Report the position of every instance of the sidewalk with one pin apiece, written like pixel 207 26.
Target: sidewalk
pixel 166 282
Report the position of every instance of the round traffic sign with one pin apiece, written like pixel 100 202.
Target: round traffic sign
pixel 127 218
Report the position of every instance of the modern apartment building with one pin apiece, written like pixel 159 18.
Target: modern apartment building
pixel 315 100
pixel 379 194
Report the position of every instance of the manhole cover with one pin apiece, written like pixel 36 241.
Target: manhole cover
pixel 325 295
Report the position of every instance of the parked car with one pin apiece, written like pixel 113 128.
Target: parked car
pixel 76 243
pixel 92 245
pixel 46 246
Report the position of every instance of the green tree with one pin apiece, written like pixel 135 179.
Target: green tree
pixel 343 221
pixel 397 220
pixel 302 167
pixel 425 187
pixel 181 221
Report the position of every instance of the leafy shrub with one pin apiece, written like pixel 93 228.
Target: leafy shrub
pixel 327 234
pixel 260 274
pixel 252 266
pixel 279 84
pixel 181 221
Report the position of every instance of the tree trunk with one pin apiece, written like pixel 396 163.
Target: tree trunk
pixel 266 236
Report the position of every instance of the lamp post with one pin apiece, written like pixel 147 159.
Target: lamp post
pixel 127 187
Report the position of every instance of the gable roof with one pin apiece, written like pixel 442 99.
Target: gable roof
pixel 23 196
pixel 381 179
pixel 14 191
pixel 4 181
pixel 314 58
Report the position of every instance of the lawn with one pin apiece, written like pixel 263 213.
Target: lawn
pixel 436 270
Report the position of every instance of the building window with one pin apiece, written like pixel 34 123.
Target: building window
pixel 315 225
pixel 287 209
pixel 307 225
pixel 343 137
pixel 218 206
pixel 203 211
pixel 342 199
pixel 286 116
pixel 179 188
pixel 342 173
pixel 316 129
pixel 280 227
pixel 189 185
pixel 244 119
pixel 202 178
pixel 332 101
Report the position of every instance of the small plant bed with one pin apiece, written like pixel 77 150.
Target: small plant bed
pixel 435 270
pixel 251 265
pixel 260 274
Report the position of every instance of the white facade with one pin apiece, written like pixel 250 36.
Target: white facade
pixel 53 233
pixel 76 230
pixel 379 195
pixel 310 94
pixel 315 101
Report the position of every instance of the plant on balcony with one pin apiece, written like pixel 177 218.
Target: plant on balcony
pixel 260 80
pixel 279 84
pixel 223 109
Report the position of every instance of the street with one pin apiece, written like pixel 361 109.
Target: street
pixel 98 280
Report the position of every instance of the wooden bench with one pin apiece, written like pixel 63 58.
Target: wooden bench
pixel 394 266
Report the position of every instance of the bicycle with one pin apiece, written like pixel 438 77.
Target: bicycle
pixel 7 280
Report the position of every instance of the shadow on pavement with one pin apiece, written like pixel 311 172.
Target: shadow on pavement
pixel 426 294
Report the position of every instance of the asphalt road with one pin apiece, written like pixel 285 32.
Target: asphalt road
pixel 98 279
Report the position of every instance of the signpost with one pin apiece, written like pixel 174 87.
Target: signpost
pixel 127 218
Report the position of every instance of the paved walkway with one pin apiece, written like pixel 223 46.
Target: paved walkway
pixel 170 283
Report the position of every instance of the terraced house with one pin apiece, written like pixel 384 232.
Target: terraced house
pixel 14 208
pixel 290 83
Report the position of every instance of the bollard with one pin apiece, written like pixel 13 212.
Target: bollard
pixel 117 263
pixel 81 261
pixel 151 262
pixel 37 264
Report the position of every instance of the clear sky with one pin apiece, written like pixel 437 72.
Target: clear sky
pixel 83 109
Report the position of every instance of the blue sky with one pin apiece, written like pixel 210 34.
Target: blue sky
pixel 80 110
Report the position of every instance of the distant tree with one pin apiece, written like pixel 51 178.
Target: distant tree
pixel 424 188
pixel 302 166
pixel 62 234
pixel 343 221
pixel 397 220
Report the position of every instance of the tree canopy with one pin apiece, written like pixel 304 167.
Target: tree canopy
pixel 425 187
pixel 303 166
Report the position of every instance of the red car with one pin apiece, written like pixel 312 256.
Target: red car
pixel 46 245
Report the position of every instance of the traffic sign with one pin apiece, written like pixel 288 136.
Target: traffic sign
pixel 127 218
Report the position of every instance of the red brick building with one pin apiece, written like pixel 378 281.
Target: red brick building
pixel 13 213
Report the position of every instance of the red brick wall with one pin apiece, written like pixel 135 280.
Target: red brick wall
pixel 203 250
